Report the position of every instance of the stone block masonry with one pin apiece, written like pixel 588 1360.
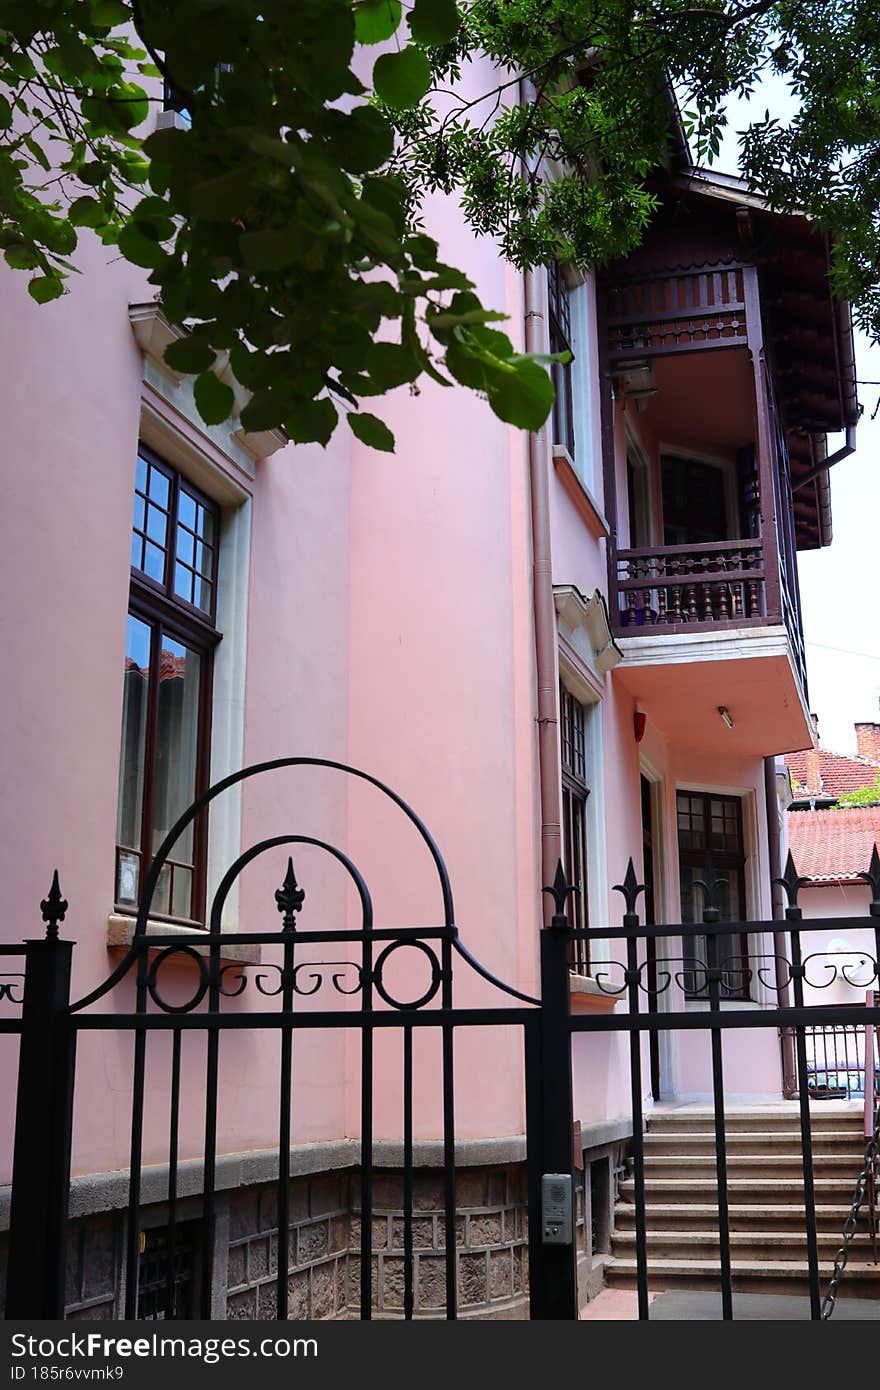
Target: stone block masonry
pixel 491 1239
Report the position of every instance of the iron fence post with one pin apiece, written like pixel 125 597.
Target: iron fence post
pixel 553 1286
pixel 43 1126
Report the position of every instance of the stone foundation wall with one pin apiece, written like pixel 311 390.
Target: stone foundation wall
pixel 491 1238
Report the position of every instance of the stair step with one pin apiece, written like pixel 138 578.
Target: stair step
pixel 829 1165
pixel 764 1190
pixel 682 1216
pixel 762 1246
pixel 742 1141
pixel 825 1115
pixel 746 1274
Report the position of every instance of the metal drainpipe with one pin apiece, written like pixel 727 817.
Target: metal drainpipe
pixel 789 1071
pixel 545 620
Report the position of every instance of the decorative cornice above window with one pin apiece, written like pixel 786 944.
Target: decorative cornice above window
pixel 153 333
pixel 584 624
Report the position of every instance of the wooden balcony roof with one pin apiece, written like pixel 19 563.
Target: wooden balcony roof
pixel 707 218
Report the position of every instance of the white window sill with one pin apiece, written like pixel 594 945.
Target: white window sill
pixel 703 1006
pixel 120 934
pixel 588 997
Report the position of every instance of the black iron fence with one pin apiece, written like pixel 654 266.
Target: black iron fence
pixel 836 1061
pixel 348 977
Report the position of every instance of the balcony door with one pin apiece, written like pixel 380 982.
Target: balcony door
pixel 699 500
pixel 711 850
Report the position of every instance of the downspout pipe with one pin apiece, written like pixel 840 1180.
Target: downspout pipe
pixel 544 618
pixel 780 951
pixel 849 447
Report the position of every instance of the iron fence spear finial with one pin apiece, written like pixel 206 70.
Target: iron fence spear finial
pixel 560 891
pixel 872 876
pixel 53 908
pixel 792 882
pixel 290 898
pixel 630 888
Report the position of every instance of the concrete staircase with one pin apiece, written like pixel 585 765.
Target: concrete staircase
pixel 768 1247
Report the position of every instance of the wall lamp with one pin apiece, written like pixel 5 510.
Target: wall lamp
pixel 726 715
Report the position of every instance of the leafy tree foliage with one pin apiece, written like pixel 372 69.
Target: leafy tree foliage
pixel 282 226
pixel 864 796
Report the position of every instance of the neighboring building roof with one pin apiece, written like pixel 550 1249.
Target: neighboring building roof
pixel 835 845
pixel 839 773
pixel 171 667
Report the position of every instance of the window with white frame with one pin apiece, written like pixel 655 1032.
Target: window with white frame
pixel 166 718
pixel 575 791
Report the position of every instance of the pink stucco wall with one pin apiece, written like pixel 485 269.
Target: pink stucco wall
pixel 389 625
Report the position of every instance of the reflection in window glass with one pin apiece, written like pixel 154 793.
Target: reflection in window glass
pixel 177 742
pixel 131 760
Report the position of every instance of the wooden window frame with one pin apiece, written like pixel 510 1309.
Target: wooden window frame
pixel 575 793
pixel 724 864
pixel 157 606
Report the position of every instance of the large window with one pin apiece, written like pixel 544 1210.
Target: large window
pixel 711 850
pixel 167 688
pixel 575 791
pixel 560 341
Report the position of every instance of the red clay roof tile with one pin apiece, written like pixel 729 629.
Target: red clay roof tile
pixel 833 844
pixel 840 772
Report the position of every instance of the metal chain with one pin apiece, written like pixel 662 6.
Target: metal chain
pixel 849 1229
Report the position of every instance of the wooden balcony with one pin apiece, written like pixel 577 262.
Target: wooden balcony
pixel 718 584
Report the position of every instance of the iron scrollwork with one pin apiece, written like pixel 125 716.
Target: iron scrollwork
pixel 8 984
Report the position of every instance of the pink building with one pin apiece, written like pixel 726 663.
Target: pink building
pixel 585 642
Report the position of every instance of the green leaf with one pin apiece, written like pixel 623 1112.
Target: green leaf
pixel 522 395
pixel 140 249
pixel 370 430
pixel 391 365
pixel 21 257
pixel 107 13
pixel 269 250
pixel 366 141
pixel 266 409
pixel 376 20
pixel 223 197
pixel 86 212
pixel 434 22
pixel 190 355
pixel 402 79
pixel 44 288
pixel 214 399
pixel 92 174
pixel 313 422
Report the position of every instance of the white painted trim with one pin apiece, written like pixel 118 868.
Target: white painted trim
pixel 661 647
pixel 227 720
pixel 584 625
pixel 585 387
pixel 597 852
pixel 641 461
pixel 668 1039
pixel 153 333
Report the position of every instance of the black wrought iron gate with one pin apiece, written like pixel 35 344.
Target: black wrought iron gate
pixel 136 1000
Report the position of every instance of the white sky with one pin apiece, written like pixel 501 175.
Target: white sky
pixel 840 584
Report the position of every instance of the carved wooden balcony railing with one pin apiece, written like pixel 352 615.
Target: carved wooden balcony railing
pixel 719 584
pixel 676 312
